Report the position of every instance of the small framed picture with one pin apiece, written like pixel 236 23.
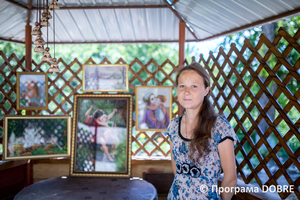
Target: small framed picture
pixel 101 135
pixel 153 107
pixel 32 91
pixel 31 137
pixel 100 78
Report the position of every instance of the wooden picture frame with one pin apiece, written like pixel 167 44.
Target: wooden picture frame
pixel 32 137
pixel 105 78
pixel 153 108
pixel 101 135
pixel 32 91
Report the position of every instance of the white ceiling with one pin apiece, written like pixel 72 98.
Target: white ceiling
pixel 128 21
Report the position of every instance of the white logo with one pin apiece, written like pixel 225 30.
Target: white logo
pixel 203 188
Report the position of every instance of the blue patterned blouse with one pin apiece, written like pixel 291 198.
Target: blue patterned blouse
pixel 194 181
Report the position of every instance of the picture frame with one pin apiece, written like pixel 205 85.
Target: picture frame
pixel 153 108
pixel 32 91
pixel 32 137
pixel 105 78
pixel 101 135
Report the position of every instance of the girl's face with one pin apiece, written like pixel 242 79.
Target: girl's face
pixel 191 90
pixel 103 118
pixel 158 101
pixel 30 85
pixel 152 99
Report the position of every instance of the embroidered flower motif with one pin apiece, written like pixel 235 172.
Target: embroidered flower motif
pixel 218 137
pixel 183 148
pixel 175 190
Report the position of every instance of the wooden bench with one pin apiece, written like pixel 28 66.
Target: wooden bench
pixel 161 181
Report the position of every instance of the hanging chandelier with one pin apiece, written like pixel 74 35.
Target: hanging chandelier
pixel 42 20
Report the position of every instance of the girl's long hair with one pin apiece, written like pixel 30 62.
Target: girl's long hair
pixel 206 116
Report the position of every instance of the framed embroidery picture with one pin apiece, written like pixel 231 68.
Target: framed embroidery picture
pixel 31 137
pixel 100 78
pixel 101 135
pixel 153 107
pixel 32 91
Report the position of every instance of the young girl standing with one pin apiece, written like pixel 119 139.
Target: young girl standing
pixel 201 142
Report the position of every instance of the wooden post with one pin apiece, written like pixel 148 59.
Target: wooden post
pixel 28 57
pixel 28 46
pixel 181 54
pixel 29 173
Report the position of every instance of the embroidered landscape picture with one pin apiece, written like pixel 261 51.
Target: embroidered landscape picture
pixel 27 137
pixel 105 78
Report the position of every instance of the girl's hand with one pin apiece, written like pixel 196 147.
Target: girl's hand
pixel 115 110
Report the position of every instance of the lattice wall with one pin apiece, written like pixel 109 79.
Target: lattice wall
pixel 257 90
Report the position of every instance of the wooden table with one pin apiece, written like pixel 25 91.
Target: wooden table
pixel 89 188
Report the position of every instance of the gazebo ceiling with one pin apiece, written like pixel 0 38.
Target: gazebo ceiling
pixel 129 21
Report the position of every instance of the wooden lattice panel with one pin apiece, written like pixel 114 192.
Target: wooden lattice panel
pixel 255 95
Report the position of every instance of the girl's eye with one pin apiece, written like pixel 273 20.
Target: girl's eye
pixel 181 86
pixel 194 86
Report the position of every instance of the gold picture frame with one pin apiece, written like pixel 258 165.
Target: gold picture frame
pixel 105 78
pixel 150 115
pixel 101 135
pixel 32 137
pixel 32 91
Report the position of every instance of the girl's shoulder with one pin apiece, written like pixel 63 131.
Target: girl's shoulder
pixel 173 126
pixel 223 130
pixel 175 121
pixel 221 121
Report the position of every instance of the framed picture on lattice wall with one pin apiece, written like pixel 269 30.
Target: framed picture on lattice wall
pixel 100 78
pixel 153 107
pixel 31 137
pixel 32 91
pixel 101 135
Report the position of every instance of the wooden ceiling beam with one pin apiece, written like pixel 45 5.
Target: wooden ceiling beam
pixel 181 19
pixel 103 42
pixel 108 7
pixel 17 4
pixel 9 40
pixel 257 23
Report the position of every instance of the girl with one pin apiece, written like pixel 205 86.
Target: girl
pixel 32 95
pixel 201 142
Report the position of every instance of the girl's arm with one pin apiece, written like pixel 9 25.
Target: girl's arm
pixel 153 107
pixel 172 159
pixel 88 111
pixel 111 114
pixel 227 158
pixel 101 123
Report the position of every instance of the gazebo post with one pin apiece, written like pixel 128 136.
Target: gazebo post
pixel 181 54
pixel 28 47
pixel 28 40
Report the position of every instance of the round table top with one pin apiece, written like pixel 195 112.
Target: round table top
pixel 89 188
